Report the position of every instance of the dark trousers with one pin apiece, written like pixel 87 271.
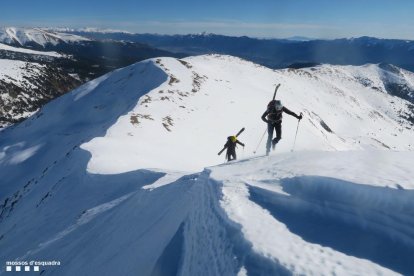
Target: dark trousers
pixel 270 128
pixel 231 155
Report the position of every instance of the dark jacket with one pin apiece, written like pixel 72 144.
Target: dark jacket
pixel 275 116
pixel 231 146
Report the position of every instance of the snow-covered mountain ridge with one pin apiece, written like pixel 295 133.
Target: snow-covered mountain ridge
pixel 88 29
pixel 341 112
pixel 39 36
pixel 74 58
pixel 103 174
pixel 5 47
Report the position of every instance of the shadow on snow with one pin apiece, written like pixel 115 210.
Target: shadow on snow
pixel 368 222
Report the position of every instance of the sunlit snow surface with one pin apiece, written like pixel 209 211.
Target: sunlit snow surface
pixel 330 213
pixel 183 123
pixel 42 37
pixel 28 51
pixel 17 72
pixel 121 176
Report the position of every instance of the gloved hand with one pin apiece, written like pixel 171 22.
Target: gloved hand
pixel 300 116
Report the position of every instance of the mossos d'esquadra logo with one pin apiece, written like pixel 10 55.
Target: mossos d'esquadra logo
pixel 28 266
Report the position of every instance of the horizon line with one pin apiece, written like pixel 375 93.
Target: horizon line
pixel 300 38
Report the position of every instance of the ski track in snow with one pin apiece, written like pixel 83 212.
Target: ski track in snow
pixel 86 200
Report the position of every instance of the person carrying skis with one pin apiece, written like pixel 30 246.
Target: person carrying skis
pixel 273 117
pixel 231 147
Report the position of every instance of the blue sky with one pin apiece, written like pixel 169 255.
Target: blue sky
pixel 266 18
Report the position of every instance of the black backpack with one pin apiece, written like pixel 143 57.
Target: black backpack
pixel 271 104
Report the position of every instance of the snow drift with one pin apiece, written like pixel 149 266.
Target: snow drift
pixel 106 179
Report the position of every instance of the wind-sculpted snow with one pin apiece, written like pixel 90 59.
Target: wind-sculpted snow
pixel 92 179
pixel 256 217
pixel 70 120
pixel 46 196
pixel 323 224
pixel 372 223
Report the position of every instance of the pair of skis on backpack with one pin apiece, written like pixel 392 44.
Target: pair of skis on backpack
pixel 231 142
pixel 234 140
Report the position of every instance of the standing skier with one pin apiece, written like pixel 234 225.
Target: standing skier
pixel 273 118
pixel 231 147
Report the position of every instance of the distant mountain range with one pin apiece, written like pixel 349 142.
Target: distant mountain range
pixel 99 51
pixel 278 53
pixel 73 57
pixel 51 63
pixel 90 57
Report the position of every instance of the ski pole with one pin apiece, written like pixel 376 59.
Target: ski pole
pixel 254 152
pixel 297 128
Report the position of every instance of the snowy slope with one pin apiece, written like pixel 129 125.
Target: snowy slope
pixel 213 97
pixel 112 181
pixel 42 37
pixel 13 70
pixel 28 51
pixel 331 213
pixel 382 77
